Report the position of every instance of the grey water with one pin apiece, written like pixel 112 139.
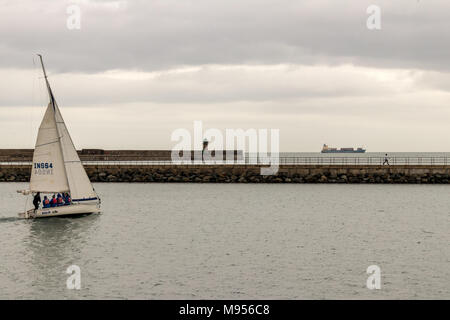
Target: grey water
pixel 318 155
pixel 368 158
pixel 233 241
pixel 364 155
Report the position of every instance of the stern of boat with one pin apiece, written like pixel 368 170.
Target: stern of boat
pixel 29 214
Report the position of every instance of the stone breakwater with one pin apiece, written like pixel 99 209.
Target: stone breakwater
pixel 415 174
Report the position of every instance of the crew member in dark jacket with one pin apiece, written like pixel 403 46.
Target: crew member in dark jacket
pixel 37 200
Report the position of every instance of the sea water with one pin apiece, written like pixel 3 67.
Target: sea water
pixel 233 241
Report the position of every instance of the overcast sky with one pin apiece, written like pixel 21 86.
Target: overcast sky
pixel 137 70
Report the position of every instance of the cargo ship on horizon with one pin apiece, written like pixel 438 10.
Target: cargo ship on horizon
pixel 327 149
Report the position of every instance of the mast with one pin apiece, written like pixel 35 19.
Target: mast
pixel 53 102
pixel 50 93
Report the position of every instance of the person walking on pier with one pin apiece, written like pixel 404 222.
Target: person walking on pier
pixel 386 160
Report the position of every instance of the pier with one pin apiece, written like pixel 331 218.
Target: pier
pixel 156 166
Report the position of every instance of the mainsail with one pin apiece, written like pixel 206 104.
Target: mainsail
pixel 48 172
pixel 56 165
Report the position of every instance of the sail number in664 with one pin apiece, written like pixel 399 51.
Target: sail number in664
pixel 43 165
pixel 43 168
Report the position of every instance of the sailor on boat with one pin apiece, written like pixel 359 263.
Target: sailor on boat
pixel 56 201
pixel 57 169
pixel 37 200
pixel 46 203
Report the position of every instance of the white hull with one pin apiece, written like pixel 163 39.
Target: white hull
pixel 73 209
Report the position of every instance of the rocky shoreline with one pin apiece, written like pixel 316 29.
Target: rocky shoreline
pixel 167 176
pixel 245 175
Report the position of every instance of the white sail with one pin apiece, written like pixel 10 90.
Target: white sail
pixel 48 171
pixel 79 184
pixel 56 165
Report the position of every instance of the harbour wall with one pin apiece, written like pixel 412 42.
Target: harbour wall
pixel 26 155
pixel 415 174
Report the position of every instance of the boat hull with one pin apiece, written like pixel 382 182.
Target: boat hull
pixel 73 209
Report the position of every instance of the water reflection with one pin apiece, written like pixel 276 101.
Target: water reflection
pixel 9 219
pixel 55 244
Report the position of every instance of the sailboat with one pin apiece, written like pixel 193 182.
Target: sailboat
pixel 57 169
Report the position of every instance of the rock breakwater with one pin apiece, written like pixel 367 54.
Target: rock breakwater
pixel 251 174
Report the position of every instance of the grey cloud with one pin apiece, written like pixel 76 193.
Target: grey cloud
pixel 139 69
pixel 157 35
pixel 208 85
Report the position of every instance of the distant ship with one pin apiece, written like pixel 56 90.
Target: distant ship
pixel 327 149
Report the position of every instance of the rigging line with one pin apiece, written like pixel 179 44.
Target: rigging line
pixel 32 104
pixel 49 89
